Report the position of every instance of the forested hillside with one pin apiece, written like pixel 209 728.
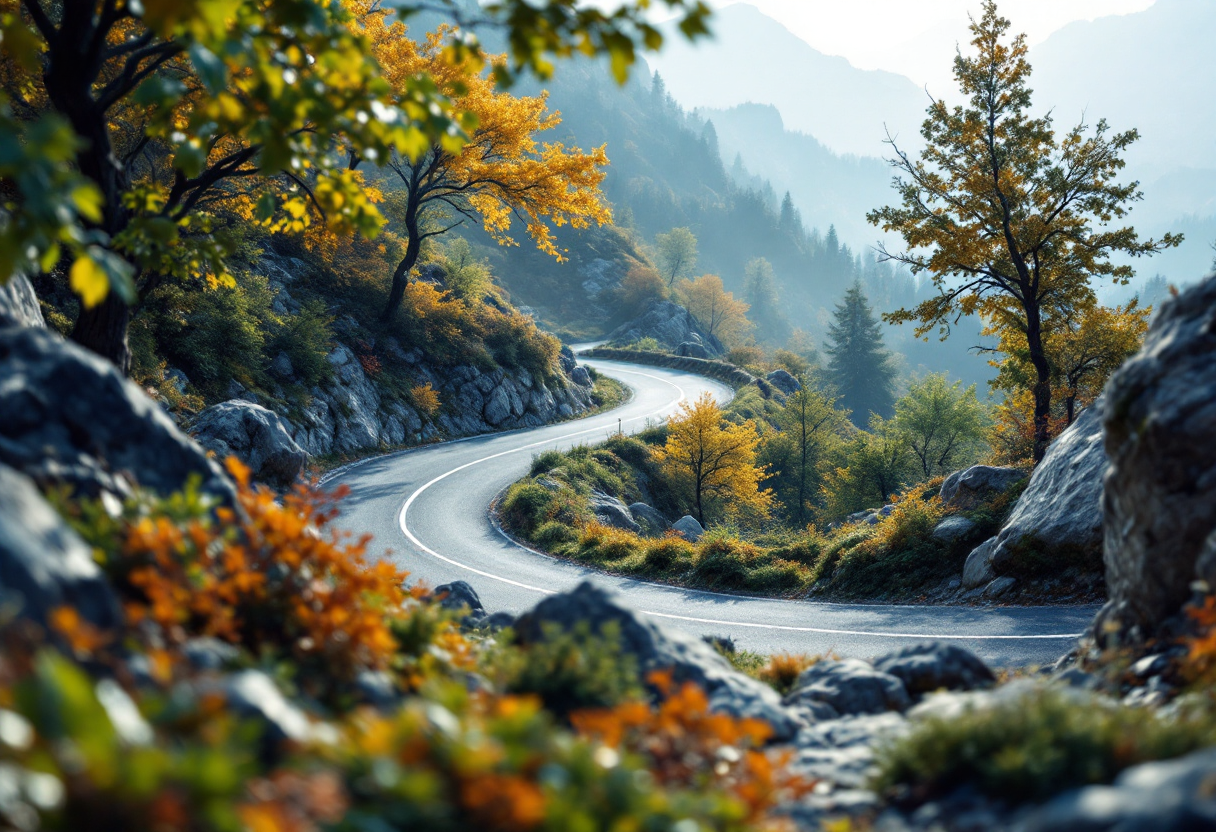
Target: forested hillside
pixel 667 171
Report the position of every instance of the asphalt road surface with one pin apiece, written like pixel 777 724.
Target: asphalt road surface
pixel 429 507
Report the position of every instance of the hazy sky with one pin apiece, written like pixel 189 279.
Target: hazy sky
pixel 915 37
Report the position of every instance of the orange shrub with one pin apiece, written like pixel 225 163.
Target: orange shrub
pixel 425 399
pixel 266 576
pixel 783 669
pixel 685 745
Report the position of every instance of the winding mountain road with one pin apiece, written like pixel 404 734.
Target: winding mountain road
pixel 429 507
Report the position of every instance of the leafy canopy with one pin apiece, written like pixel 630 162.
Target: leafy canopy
pixel 944 424
pixel 676 254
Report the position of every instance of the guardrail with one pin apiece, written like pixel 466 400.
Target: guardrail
pixel 720 370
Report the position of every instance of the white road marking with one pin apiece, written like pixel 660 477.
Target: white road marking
pixel 401 519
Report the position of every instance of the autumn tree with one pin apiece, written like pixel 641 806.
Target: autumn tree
pixel 712 462
pixel 859 366
pixel 809 427
pixel 1084 346
pixel 639 287
pixel 129 123
pixel 944 424
pixel 1008 218
pixel 717 310
pixel 170 108
pixel 499 174
pixel 676 253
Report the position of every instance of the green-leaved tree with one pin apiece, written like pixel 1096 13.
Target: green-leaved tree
pixel 944 424
pixel 676 254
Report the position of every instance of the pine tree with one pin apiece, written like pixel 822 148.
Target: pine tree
pixel 791 218
pixel 859 364
pixel 760 293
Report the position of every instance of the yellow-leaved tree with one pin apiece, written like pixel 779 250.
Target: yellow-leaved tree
pixel 1083 346
pixel 712 461
pixel 722 314
pixel 1009 219
pixel 500 174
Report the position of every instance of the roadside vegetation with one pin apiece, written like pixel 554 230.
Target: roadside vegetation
pixel 780 488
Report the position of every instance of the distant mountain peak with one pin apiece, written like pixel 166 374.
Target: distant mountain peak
pixel 755 59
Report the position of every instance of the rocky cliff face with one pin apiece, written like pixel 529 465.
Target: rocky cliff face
pixel 1159 506
pixel 352 413
pixel 671 325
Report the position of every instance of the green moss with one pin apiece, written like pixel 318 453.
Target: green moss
pixel 1035 746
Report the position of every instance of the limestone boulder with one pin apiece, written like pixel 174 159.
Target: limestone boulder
pixel 653 524
pixel 1159 507
pixel 688 528
pixel 784 381
pixel 1057 522
pixel 19 304
pixel 67 416
pixel 612 512
pixel 668 323
pixel 967 489
pixel 43 563
pixel 258 437
pixel 659 648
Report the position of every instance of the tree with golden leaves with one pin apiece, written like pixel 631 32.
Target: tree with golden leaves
pixel 1008 218
pixel 722 314
pixel 712 461
pixel 500 174
pixel 1084 346
pixel 128 123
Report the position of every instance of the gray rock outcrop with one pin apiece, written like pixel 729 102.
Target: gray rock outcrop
pixel 668 323
pixel 783 381
pixel 933 666
pixel 258 437
pixel 43 563
pixel 1166 796
pixel 1160 501
pixel 851 686
pixel 967 489
pixel 692 349
pixel 955 527
pixel 653 524
pixel 690 659
pixel 612 512
pixel 68 416
pixel 351 414
pixel 688 528
pixel 458 595
pixel 1058 518
pixel 19 304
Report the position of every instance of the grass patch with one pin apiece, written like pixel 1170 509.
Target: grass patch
pixel 1035 746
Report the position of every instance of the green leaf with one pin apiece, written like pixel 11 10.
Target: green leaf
pixel 210 68
pixel 190 159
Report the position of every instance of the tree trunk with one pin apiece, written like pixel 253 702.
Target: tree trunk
pixel 103 329
pixel 401 276
pixel 69 86
pixel 1042 384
